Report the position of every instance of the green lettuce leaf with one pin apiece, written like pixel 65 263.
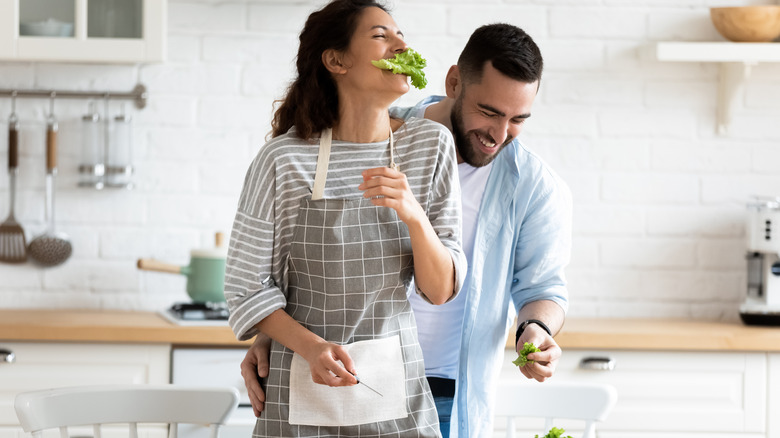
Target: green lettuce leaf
pixel 522 359
pixel 555 433
pixel 408 63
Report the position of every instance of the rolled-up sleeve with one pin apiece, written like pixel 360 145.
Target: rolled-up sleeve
pixel 250 291
pixel 544 249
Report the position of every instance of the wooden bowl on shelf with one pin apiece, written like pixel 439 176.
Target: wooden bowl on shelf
pixel 747 24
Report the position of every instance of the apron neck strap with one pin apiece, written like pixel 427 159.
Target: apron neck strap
pixel 392 147
pixel 323 159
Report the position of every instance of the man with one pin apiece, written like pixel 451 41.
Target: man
pixel 516 235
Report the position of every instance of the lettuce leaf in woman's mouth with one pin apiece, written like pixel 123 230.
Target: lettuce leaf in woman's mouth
pixel 408 63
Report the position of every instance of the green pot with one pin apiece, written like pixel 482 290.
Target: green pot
pixel 205 278
pixel 205 273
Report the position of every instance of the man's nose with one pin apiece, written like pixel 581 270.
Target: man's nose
pixel 500 131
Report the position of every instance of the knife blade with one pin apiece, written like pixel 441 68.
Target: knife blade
pixel 364 384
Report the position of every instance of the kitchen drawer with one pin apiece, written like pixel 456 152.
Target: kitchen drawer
pixel 49 365
pixel 673 394
pixel 214 367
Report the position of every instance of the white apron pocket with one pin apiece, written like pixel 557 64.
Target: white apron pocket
pixel 379 364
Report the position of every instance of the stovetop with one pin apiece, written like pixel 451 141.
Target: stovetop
pixel 197 314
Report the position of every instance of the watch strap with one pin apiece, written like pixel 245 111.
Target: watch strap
pixel 521 327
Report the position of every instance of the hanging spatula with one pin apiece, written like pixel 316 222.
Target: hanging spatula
pixel 13 247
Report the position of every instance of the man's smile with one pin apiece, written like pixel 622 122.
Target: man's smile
pixel 485 141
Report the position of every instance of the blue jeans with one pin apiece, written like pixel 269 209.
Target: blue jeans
pixel 444 408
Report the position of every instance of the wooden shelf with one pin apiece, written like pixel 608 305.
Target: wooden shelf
pixel 736 60
pixel 718 52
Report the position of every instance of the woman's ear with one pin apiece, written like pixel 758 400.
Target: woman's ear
pixel 332 59
pixel 453 82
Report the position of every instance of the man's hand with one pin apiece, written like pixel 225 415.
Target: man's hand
pixel 545 361
pixel 255 364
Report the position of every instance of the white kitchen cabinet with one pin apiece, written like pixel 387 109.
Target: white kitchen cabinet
pixel 113 31
pixel 773 395
pixel 668 394
pixel 49 365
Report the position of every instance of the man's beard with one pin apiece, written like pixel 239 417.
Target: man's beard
pixel 467 152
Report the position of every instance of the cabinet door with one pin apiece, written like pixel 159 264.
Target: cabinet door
pixel 100 30
pixel 773 405
pixel 7 29
pixel 714 394
pixel 50 365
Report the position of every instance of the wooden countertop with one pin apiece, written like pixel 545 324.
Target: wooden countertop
pixel 106 326
pixel 113 326
pixel 664 334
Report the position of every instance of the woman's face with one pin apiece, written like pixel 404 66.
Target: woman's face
pixel 376 37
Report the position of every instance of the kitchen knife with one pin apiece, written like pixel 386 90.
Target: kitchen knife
pixel 364 384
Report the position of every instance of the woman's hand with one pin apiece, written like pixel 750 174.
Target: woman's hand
pixel 330 365
pixel 325 359
pixel 388 188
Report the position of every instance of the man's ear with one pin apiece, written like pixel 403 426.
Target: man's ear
pixel 332 59
pixel 453 83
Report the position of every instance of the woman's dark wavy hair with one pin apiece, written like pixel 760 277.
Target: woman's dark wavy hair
pixel 509 49
pixel 311 103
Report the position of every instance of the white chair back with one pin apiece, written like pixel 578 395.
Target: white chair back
pixel 588 402
pixel 61 408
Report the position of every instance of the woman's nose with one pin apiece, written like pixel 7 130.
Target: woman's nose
pixel 400 46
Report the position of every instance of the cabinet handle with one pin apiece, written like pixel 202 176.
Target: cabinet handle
pixel 7 356
pixel 597 363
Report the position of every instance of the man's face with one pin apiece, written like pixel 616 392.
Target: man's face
pixel 488 115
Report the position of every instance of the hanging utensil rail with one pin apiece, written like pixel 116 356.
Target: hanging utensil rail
pixel 138 95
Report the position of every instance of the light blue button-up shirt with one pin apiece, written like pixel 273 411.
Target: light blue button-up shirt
pixel 521 247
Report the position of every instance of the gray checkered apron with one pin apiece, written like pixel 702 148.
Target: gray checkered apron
pixel 349 269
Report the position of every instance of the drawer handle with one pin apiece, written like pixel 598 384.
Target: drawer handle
pixel 7 356
pixel 597 363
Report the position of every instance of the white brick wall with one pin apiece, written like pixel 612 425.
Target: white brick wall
pixel 658 195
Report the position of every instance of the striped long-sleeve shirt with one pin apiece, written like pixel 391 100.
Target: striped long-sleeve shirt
pixel 282 175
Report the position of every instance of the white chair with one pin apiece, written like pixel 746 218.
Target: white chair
pixel 124 404
pixel 588 402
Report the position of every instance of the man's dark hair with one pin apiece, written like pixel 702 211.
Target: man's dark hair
pixel 508 48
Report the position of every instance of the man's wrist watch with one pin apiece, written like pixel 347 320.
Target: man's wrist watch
pixel 524 324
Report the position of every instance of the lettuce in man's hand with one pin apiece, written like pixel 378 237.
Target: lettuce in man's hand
pixel 522 359
pixel 555 433
pixel 408 63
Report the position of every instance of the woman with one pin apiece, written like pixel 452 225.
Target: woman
pixel 328 236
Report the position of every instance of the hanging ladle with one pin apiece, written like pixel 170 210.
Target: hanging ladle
pixel 51 248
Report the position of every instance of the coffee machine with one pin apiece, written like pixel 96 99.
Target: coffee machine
pixel 762 303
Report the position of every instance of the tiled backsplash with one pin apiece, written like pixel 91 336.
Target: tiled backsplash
pixel 659 197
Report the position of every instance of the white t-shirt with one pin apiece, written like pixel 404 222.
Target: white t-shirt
pixel 439 327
